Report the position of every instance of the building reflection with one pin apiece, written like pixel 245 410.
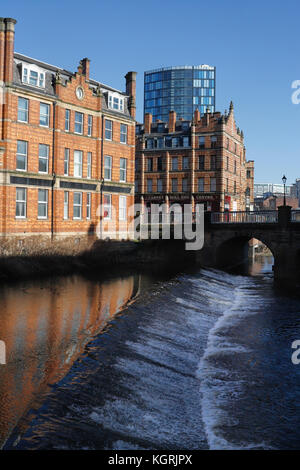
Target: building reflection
pixel 45 328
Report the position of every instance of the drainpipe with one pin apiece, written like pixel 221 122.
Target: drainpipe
pixel 53 174
pixel 101 175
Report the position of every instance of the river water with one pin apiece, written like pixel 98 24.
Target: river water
pixel 196 360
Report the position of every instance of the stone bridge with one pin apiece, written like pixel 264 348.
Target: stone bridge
pixel 227 236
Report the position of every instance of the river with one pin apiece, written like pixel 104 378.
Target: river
pixel 196 360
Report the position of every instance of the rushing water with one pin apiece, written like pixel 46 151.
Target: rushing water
pixel 200 360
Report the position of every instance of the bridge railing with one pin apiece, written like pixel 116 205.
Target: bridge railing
pixel 295 216
pixel 246 217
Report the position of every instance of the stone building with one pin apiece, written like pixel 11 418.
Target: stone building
pixel 66 147
pixel 189 162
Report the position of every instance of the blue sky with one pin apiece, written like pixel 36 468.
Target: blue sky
pixel 254 45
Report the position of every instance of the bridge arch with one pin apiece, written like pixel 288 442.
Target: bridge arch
pixel 232 253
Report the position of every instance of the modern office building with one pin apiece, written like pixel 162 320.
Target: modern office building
pixel 180 89
pixel 188 162
pixel 67 146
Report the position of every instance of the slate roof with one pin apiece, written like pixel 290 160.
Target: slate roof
pixel 65 75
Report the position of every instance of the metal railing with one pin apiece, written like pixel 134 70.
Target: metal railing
pixel 295 216
pixel 262 217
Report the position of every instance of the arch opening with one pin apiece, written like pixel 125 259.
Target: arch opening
pixel 245 255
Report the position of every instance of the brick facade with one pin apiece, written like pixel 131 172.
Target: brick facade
pixel 198 161
pixel 48 114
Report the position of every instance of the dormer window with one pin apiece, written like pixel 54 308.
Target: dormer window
pixel 33 77
pixel 115 102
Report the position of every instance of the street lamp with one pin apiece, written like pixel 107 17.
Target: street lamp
pixel 284 183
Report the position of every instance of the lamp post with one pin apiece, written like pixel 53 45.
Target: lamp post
pixel 284 183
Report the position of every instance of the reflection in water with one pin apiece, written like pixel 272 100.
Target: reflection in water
pixel 45 327
pixel 260 264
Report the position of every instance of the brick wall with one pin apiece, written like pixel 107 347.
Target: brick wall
pixel 216 140
pixel 57 139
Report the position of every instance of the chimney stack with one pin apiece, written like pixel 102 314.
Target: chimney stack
pixel 196 115
pixel 147 123
pixel 2 48
pixel 172 121
pixel 9 43
pixel 130 78
pixel 85 65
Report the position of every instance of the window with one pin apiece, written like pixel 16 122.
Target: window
pixel 201 162
pixel 227 144
pixel 43 158
pixel 174 185
pixel 235 167
pixel 41 80
pixel 123 134
pixel 149 164
pixel 78 123
pixel 227 185
pixel 22 109
pixel 78 163
pixel 174 163
pixel 201 185
pixel 149 186
pixel 107 167
pixel 66 162
pixel 66 204
pixel 21 155
pixel 185 163
pixel 42 203
pixel 213 162
pixel 201 142
pixel 21 203
pixel 136 186
pixel 77 205
pixel 108 129
pixel 33 77
pixel 90 125
pixel 213 185
pixel 115 102
pixel 248 174
pixel 123 169
pixel 150 143
pixel 213 142
pixel 234 187
pixel 186 141
pixel 159 185
pixel 136 164
pixel 159 163
pixel 89 165
pixel 44 114
pixel 160 142
pixel 107 206
pixel 122 207
pixel 88 205
pixel 184 183
pixel 67 120
pixel 175 142
pixel 227 163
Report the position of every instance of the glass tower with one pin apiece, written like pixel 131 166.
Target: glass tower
pixel 181 89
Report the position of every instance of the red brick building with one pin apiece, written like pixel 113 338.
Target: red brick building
pixel 198 161
pixel 67 145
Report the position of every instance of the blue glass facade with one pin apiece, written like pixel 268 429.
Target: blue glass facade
pixel 180 89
